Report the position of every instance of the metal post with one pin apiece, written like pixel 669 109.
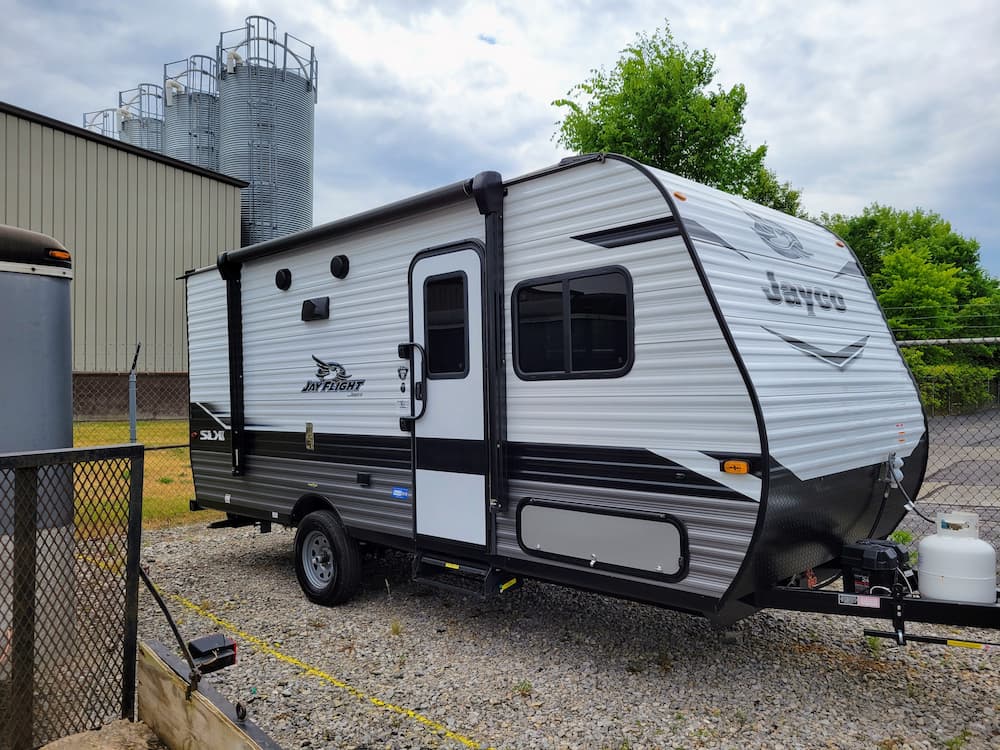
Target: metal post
pixel 131 395
pixel 22 693
pixel 132 584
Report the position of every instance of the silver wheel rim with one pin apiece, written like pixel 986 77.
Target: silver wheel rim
pixel 317 559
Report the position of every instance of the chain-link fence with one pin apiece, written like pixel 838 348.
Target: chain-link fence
pixel 104 396
pixel 101 417
pixel 963 467
pixel 69 555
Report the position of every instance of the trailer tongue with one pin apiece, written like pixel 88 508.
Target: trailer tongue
pixel 955 566
pixel 900 607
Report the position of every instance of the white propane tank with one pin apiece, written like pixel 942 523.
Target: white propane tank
pixel 955 564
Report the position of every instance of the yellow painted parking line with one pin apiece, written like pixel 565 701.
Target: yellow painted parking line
pixel 311 671
pixel 115 566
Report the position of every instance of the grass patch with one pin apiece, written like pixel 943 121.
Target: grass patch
pixel 148 432
pixel 958 741
pixel 167 483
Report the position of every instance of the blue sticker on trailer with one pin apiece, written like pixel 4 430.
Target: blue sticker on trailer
pixel 401 493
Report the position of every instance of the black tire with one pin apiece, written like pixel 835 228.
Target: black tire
pixel 327 560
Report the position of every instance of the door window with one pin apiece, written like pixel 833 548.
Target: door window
pixel 446 312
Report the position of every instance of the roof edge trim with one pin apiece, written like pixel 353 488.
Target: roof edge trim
pixel 65 127
pixel 439 198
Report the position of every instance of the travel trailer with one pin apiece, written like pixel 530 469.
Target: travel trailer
pixel 598 374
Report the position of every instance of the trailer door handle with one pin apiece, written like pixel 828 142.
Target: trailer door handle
pixel 406 351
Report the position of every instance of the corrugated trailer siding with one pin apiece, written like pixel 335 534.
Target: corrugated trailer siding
pixel 684 395
pixel 133 224
pixel 208 346
pixel 369 317
pixel 660 403
pixel 275 482
pixel 208 342
pixel 820 418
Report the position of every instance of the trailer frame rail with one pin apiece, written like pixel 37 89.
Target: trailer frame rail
pixel 899 608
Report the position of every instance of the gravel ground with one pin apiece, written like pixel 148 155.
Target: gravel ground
pixel 402 666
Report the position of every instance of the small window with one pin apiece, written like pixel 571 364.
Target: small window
pixel 575 326
pixel 445 317
pixel 540 328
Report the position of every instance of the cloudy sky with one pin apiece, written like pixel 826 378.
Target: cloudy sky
pixel 892 101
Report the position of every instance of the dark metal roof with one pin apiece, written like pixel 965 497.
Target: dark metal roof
pixel 65 127
pixel 23 246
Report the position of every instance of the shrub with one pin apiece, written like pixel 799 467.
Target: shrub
pixel 954 388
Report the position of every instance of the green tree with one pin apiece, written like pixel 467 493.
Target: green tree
pixel 656 105
pixel 929 282
pixel 918 295
pixel 880 230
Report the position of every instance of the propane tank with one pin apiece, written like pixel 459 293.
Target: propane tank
pixel 955 564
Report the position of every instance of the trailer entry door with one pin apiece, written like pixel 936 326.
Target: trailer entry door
pixel 451 463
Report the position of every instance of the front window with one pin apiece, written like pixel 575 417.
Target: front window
pixel 577 325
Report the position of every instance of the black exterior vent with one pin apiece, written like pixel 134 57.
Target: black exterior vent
pixel 340 265
pixel 317 308
pixel 283 279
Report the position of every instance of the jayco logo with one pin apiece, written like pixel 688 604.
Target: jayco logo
pixel 808 296
pixel 778 238
pixel 332 377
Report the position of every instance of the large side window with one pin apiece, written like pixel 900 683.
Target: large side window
pixel 574 326
pixel 446 309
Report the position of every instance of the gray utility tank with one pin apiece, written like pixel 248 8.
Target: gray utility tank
pixel 140 112
pixel 36 374
pixel 267 93
pixel 191 111
pixel 36 414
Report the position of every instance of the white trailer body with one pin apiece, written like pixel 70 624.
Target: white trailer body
pixel 589 353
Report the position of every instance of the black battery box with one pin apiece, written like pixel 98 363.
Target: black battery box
pixel 872 563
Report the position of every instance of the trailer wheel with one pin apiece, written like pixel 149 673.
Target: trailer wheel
pixel 327 561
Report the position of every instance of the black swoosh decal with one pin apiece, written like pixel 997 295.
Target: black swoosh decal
pixel 631 234
pixel 699 232
pixel 850 269
pixel 839 359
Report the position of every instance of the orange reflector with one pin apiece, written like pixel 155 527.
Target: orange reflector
pixel 59 254
pixel 680 196
pixel 840 244
pixel 736 466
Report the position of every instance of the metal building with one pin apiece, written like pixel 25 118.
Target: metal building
pixel 191 111
pixel 140 116
pixel 267 92
pixel 134 221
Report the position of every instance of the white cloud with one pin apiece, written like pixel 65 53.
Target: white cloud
pixel 893 102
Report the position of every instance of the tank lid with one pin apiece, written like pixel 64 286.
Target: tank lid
pixel 31 248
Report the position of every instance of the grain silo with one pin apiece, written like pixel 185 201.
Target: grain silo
pixel 103 122
pixel 140 117
pixel 191 111
pixel 267 92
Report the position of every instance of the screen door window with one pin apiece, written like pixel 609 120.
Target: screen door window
pixel 446 310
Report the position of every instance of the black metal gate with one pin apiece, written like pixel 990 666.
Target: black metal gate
pixel 70 527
